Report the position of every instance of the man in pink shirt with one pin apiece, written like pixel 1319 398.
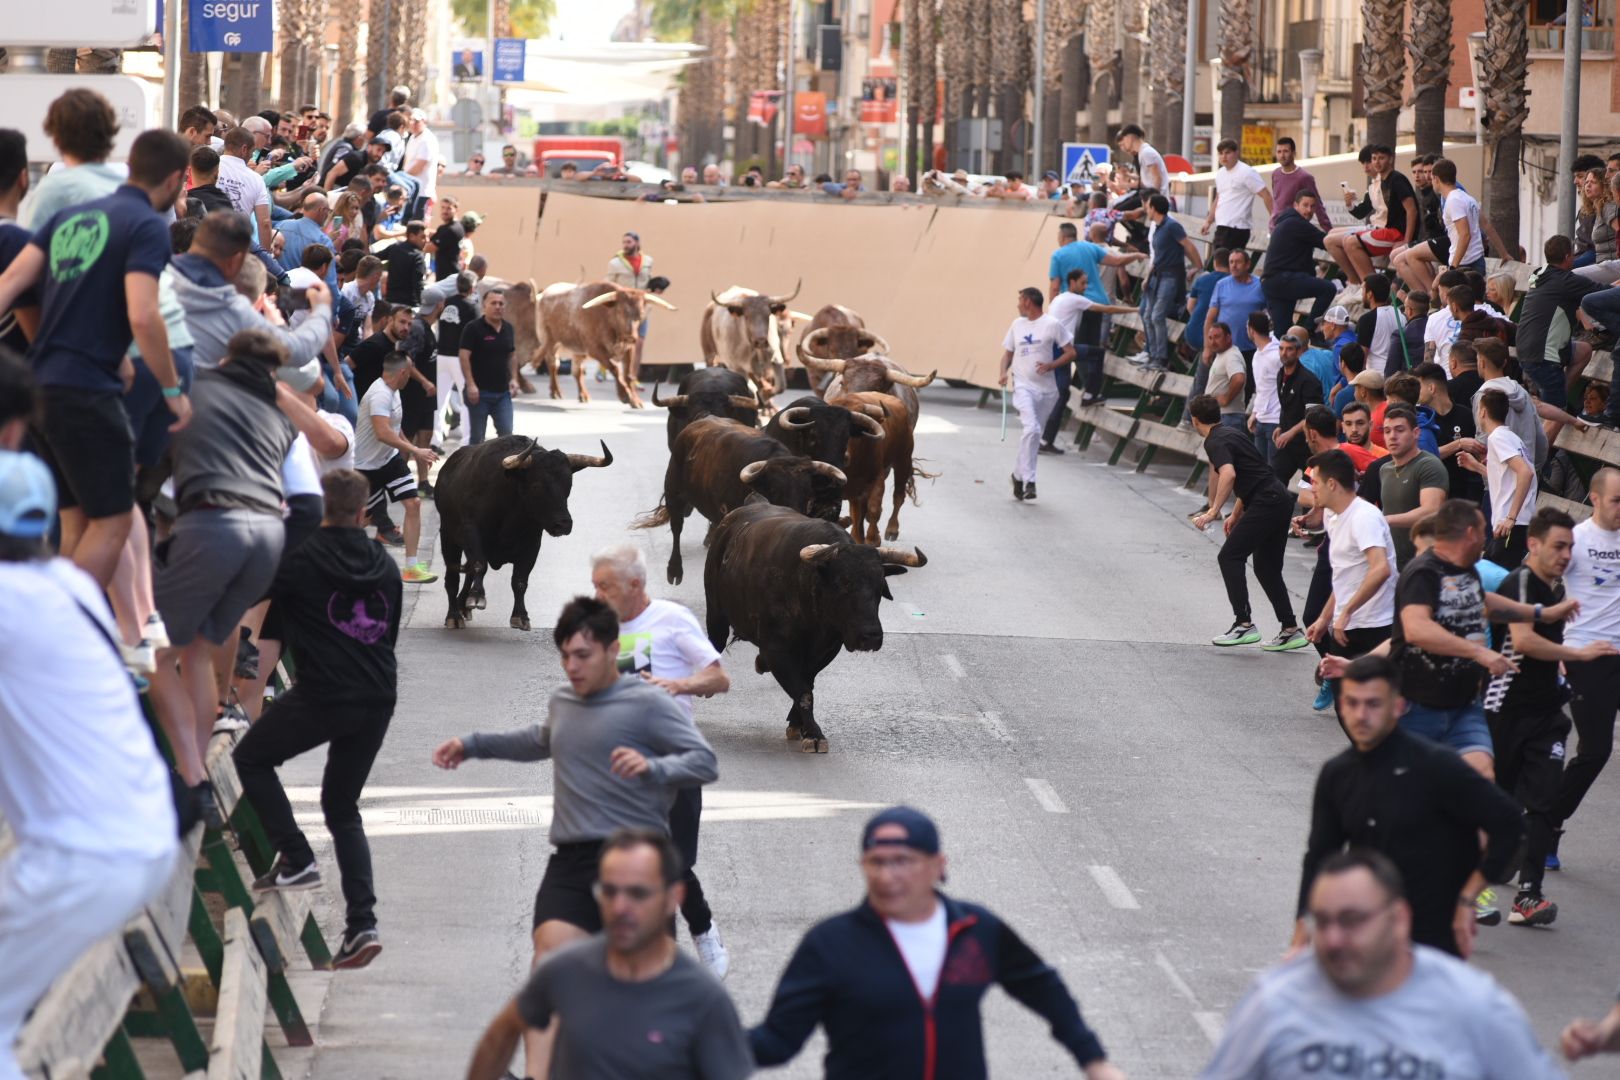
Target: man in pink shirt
pixel 1289 180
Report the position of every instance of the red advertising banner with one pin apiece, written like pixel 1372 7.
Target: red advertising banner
pixel 878 105
pixel 762 106
pixel 811 113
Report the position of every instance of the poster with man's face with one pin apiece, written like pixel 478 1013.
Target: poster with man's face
pixel 878 105
pixel 467 64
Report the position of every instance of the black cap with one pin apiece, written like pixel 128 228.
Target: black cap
pixel 921 834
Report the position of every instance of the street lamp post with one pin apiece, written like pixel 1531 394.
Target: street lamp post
pixel 1310 70
pixel 1037 164
pixel 1570 131
pixel 1189 80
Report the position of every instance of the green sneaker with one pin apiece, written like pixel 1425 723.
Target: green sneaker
pixel 1240 634
pixel 1287 641
pixel 418 574
pixel 1485 910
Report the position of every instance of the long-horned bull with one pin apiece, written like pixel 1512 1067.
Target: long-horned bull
pixel 742 331
pixel 717 464
pixel 709 392
pixel 838 332
pixel 597 321
pixel 496 502
pixel 869 371
pixel 815 429
pixel 871 462
pixel 799 589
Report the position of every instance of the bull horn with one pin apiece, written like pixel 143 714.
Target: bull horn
pixel 811 553
pixel 591 461
pixel 905 378
pixel 794 422
pixel 598 301
pixel 661 302
pixel 876 412
pixel 798 316
pixel 875 341
pixel 521 459
pixel 813 338
pixel 668 403
pixel 739 401
pixel 829 470
pixel 785 300
pixel 869 427
pixel 715 298
pixel 751 470
pixel 901 557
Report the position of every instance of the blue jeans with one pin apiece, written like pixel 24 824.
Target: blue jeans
pixel 1285 289
pixel 1550 378
pixel 333 401
pixel 1161 294
pixel 497 407
pixel 1604 308
pixel 1262 440
pixel 1236 421
pixel 1463 729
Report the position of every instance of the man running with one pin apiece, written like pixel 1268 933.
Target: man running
pixel 381 452
pixel 620 748
pixel 662 642
pixel 896 983
pixel 1035 346
pixel 629 1003
pixel 1258 526
pixel 1509 476
pixel 1361 607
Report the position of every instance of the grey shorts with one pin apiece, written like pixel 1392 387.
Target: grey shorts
pixel 216 565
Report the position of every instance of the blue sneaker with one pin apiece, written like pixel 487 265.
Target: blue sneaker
pixel 1553 863
pixel 1324 696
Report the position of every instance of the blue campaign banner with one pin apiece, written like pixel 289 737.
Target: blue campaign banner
pixel 230 26
pixel 509 59
pixel 1080 161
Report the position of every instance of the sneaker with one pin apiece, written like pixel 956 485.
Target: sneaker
pixel 1324 696
pixel 1532 910
pixel 1287 640
pixel 284 878
pixel 1018 489
pixel 140 658
pixel 1138 360
pixel 425 490
pixel 155 632
pixel 418 574
pixel 358 949
pixel 1051 448
pixel 247 657
pixel 391 536
pixel 1029 491
pixel 1092 399
pixel 1485 913
pixel 231 718
pixel 1240 634
pixel 1553 862
pixel 712 951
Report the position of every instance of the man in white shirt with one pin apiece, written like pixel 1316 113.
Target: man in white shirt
pixel 1231 203
pixel 82 788
pixel 1228 375
pixel 1361 552
pixel 662 642
pixel 1463 246
pixel 1509 477
pixel 1067 308
pixel 1265 408
pixel 1034 347
pixel 244 187
pixel 1151 171
pixel 422 162
pixel 381 453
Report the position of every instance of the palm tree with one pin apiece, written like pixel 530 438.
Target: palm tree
pixel 956 56
pixel 928 72
pixel 1168 37
pixel 1383 67
pixel 1237 52
pixel 1503 63
pixel 1430 48
pixel 193 89
pixel 380 15
pixel 1101 50
pixel 1062 21
pixel 1010 61
pixel 983 77
pixel 1133 27
pixel 911 57
pixel 349 13
pixel 291 33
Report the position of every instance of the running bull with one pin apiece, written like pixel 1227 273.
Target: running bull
pixel 496 501
pixel 818 430
pixel 799 589
pixel 709 392
pixel 597 321
pixel 742 330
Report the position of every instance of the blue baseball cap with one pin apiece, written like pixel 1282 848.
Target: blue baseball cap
pixel 921 833
pixel 27 496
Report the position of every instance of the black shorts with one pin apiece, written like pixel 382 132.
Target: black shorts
pixel 565 890
pixel 84 436
pixel 1440 248
pixel 415 409
pixel 391 482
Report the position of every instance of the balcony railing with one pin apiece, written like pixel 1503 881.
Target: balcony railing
pixel 1277 77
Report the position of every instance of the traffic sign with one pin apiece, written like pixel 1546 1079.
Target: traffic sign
pixel 1080 161
pixel 85 24
pixel 27 98
pixel 231 26
pixel 509 59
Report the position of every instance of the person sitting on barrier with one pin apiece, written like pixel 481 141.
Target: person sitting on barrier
pixel 82 787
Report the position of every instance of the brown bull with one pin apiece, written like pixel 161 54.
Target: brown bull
pixel 742 331
pixel 837 332
pixel 868 372
pixel 595 321
pixel 870 463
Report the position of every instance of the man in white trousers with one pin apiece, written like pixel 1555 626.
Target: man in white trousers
pixel 1036 345
pixel 459 310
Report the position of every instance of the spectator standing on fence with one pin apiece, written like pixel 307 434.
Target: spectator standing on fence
pixel 1257 527
pixel 1287 181
pixel 1035 345
pixel 489 370
pixel 1072 308
pixel 382 454
pixel 1370 995
pixel 421 163
pixel 1231 201
pixel 1289 275
pixel 1151 172
pixel 1175 262
pixel 1509 478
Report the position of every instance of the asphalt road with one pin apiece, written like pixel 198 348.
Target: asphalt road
pixel 1133 800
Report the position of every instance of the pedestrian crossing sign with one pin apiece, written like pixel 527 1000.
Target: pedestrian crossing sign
pixel 1080 161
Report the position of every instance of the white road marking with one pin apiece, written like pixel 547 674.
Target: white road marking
pixel 954 665
pixel 1046 796
pixel 1211 1023
pixel 1175 978
pixel 1117 892
pixel 992 723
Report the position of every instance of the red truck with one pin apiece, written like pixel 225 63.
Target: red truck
pixel 551 152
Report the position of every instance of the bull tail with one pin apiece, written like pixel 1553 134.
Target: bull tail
pixel 911 481
pixel 653 519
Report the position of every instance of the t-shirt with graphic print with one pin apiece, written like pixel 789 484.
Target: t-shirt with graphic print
pixel 667 642
pixel 1536 687
pixel 1456 600
pixel 1593 578
pixel 84 328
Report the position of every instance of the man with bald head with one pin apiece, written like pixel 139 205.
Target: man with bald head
pixel 308 228
pixel 1593 578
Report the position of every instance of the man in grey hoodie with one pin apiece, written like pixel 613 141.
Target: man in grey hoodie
pixel 619 747
pixel 205 281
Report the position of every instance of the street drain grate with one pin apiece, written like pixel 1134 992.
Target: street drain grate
pixel 437 816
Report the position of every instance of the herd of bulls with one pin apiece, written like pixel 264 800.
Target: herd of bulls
pixel 782 571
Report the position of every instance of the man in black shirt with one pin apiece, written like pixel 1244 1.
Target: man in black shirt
pixel 398 98
pixel 1289 273
pixel 445 247
pixel 1456 429
pixel 458 311
pixel 1297 390
pixel 350 163
pixel 1258 526
pixel 393 327
pixel 1413 801
pixel 1526 709
pixel 489 368
pixel 205 196
pixel 405 270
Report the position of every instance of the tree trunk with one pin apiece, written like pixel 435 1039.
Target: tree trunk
pixel 1504 61
pixel 1383 66
pixel 378 14
pixel 289 36
pixel 1237 53
pixel 1102 92
pixel 1102 53
pixel 1071 90
pixel 1430 48
pixel 1131 109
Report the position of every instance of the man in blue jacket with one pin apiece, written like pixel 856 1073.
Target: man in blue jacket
pixel 897 982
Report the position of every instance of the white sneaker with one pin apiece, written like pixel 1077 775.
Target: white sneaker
pixel 712 951
pixel 155 632
pixel 233 718
pixel 1350 295
pixel 1139 359
pixel 140 658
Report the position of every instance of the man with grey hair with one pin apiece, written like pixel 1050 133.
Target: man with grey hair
pixel 457 314
pixel 663 643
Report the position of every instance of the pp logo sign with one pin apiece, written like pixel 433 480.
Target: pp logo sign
pixel 233 38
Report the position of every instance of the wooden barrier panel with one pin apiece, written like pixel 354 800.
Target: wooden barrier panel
pixel 80 1013
pixel 238 1051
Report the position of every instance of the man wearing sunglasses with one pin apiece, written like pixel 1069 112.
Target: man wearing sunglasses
pixel 619 748
pixel 630 1003
pixel 509 163
pixel 1370 1002
pixel 475 166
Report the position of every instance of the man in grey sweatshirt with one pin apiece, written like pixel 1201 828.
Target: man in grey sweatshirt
pixel 619 747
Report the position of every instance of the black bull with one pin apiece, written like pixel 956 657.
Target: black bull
pixel 712 391
pixel 496 501
pixel 800 590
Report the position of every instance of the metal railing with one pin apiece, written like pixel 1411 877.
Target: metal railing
pixel 1276 71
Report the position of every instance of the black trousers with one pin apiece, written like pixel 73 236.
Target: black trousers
pixel 683 830
pixel 1316 596
pixel 1509 553
pixel 1261 532
pixel 1230 238
pixel 1088 347
pixel 1597 695
pixel 295 723
pixel 1530 766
